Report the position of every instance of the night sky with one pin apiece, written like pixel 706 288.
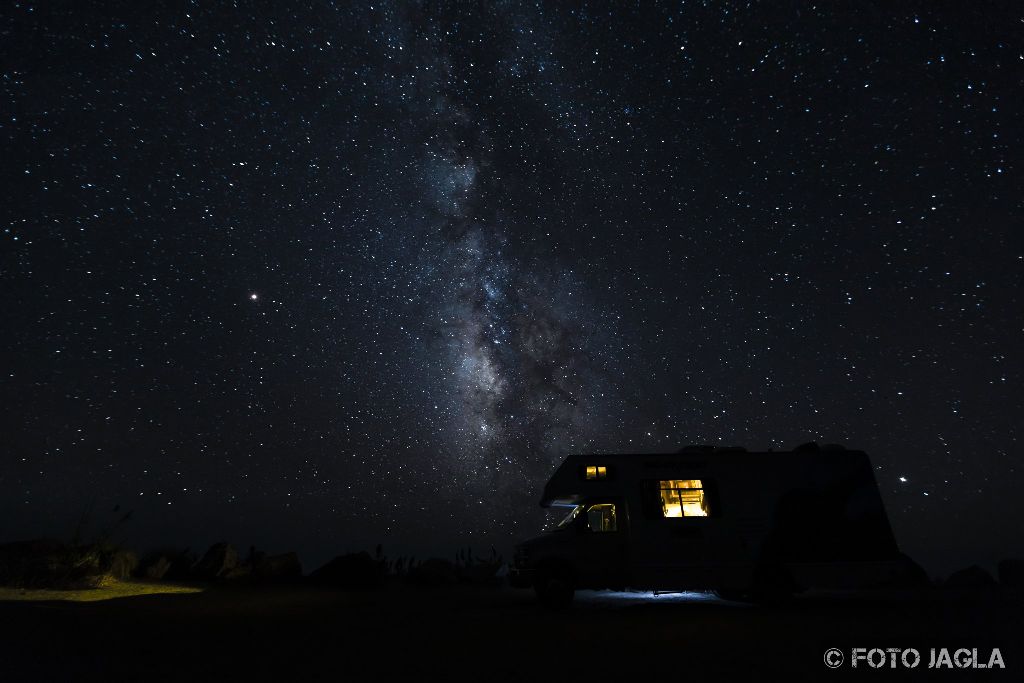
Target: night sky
pixel 318 275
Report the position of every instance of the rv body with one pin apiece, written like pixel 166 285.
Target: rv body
pixel 744 524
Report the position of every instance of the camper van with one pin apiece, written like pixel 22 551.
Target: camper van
pixel 747 525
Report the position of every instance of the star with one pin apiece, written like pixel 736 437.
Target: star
pixel 497 234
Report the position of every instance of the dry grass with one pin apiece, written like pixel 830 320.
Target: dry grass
pixel 107 590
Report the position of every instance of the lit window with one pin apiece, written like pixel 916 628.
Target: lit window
pixel 683 498
pixel 601 517
pixel 597 472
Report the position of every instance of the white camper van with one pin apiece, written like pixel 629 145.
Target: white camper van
pixel 745 524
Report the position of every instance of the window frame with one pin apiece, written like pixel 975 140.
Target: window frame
pixel 614 516
pixel 653 506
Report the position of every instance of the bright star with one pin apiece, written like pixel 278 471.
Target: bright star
pixel 253 296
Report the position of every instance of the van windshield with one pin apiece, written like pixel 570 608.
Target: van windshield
pixel 569 518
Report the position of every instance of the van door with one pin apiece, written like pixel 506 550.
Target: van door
pixel 675 549
pixel 602 532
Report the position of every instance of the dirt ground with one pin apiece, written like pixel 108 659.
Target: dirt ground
pixel 486 633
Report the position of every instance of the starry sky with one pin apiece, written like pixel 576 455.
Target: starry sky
pixel 317 275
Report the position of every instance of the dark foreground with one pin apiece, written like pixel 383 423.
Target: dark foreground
pixel 485 634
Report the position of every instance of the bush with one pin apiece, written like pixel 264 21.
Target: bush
pixel 45 563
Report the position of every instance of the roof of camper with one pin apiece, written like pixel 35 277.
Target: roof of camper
pixel 810 447
pixel 703 449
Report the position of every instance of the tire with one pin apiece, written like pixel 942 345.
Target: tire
pixel 555 587
pixel 773 585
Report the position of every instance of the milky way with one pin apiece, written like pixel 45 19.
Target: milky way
pixel 520 338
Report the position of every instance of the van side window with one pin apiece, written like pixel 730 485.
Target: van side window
pixel 683 498
pixel 601 517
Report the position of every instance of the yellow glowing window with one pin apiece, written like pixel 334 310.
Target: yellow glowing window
pixel 597 472
pixel 601 517
pixel 683 498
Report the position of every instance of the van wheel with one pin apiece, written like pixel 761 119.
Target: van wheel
pixel 555 588
pixel 773 584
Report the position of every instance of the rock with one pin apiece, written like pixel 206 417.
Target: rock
pixel 101 565
pixel 284 567
pixel 238 573
pixel 1011 571
pixel 220 559
pixel 181 565
pixel 356 570
pixel 434 572
pixel 971 577
pixel 155 568
pixel 123 564
pixel 255 556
